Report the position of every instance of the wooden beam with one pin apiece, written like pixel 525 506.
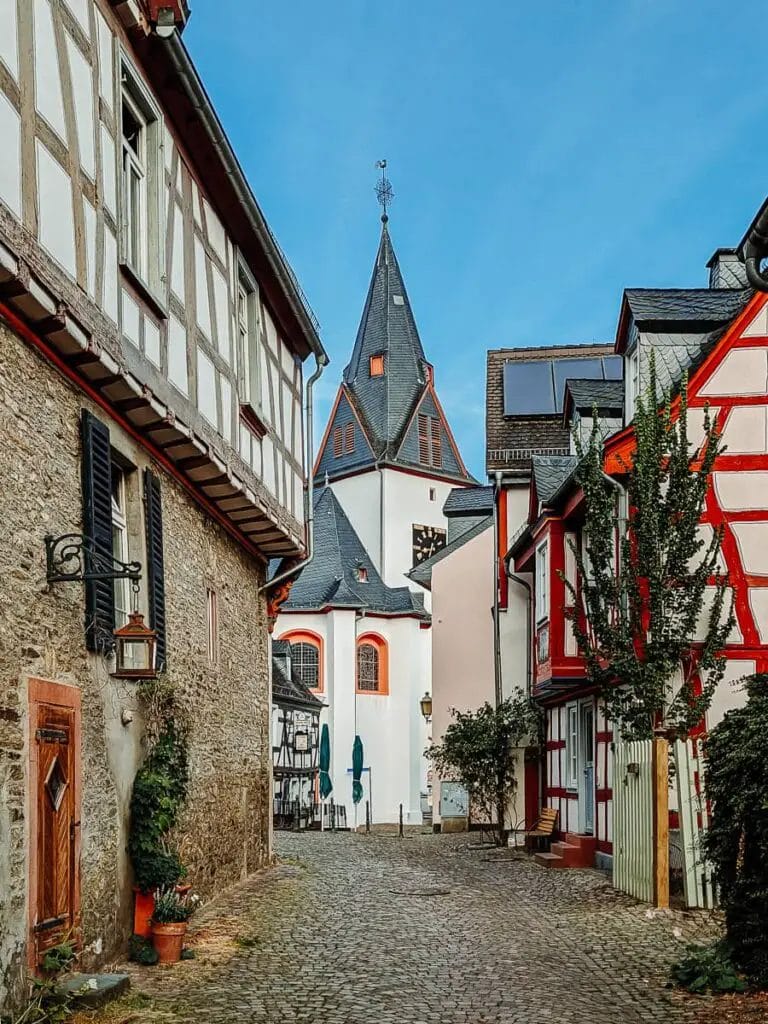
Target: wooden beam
pixel 660 793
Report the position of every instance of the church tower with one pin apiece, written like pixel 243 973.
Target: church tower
pixel 358 627
pixel 388 451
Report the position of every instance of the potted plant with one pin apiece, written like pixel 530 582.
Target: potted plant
pixel 169 923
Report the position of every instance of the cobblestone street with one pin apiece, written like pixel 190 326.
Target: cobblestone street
pixel 352 929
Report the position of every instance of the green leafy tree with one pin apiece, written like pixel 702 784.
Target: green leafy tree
pixel 640 619
pixel 736 842
pixel 478 750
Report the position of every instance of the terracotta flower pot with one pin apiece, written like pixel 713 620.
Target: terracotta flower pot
pixel 143 906
pixel 168 940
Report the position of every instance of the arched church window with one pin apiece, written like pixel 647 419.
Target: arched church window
pixel 306 658
pixel 372 664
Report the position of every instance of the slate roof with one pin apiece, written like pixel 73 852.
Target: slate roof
pixel 422 573
pixel 386 406
pixel 468 501
pixel 387 327
pixel 285 687
pixel 678 305
pixel 331 577
pixel 586 394
pixel 550 472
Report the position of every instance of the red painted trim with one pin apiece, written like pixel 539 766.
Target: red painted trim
pixel 28 335
pixel 604 737
pixel 308 636
pixel 555 744
pixel 381 645
pixel 603 795
pixel 604 846
pixel 328 425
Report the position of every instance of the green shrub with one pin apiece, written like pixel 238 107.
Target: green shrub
pixel 708 969
pixel 141 951
pixel 159 792
pixel 737 839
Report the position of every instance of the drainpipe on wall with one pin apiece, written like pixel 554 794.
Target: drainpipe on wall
pixel 528 631
pixel 321 361
pixel 755 250
pixel 496 630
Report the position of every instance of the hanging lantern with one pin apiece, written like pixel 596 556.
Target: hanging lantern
pixel 135 646
pixel 426 706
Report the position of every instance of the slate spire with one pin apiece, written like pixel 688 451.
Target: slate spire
pixel 387 329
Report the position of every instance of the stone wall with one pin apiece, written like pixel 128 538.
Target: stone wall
pixel 224 831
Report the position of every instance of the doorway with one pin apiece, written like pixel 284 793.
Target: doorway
pixel 586 780
pixel 54 755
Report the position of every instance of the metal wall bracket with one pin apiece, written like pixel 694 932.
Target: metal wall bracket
pixel 75 558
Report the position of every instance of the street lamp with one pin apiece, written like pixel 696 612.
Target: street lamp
pixel 426 706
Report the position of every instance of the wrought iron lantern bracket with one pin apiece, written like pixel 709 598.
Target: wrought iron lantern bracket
pixel 74 557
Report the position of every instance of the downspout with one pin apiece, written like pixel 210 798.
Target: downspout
pixel 321 362
pixel 528 631
pixel 755 249
pixel 496 628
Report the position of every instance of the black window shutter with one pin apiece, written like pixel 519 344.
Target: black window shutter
pixel 153 514
pixel 97 527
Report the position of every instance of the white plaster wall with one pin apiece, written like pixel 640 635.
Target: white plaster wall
pixel 360 497
pixel 462 637
pixel 407 502
pixel 730 691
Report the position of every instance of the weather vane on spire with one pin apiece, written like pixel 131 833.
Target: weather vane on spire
pixel 383 190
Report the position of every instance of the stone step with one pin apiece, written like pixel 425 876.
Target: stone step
pixel 549 860
pixel 575 856
pixel 94 990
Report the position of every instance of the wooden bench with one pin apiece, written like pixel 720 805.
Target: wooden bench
pixel 543 828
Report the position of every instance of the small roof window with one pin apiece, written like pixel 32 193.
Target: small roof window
pixel 398 300
pixel 377 365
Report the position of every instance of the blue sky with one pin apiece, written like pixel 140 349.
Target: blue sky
pixel 543 158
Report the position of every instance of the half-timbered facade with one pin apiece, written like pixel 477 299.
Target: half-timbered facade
pixel 719 336
pixel 152 342
pixel 295 742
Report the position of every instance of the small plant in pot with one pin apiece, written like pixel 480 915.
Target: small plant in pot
pixel 169 923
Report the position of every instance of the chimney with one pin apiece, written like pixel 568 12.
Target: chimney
pixel 726 270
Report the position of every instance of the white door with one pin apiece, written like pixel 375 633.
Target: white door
pixel 587 768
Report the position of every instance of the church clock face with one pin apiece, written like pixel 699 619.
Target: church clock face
pixel 427 541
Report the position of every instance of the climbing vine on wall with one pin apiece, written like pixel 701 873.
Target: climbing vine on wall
pixel 159 793
pixel 637 622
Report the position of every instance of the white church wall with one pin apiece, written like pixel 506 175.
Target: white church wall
pixel 407 502
pixel 360 497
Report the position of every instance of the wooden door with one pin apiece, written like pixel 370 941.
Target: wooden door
pixel 56 804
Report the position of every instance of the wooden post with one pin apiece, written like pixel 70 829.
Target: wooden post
pixel 401 821
pixel 660 782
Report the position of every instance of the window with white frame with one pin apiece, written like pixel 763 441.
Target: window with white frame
pixel 120 544
pixel 142 166
pixel 213 625
pixel 248 338
pixel 542 581
pixel 633 381
pixel 572 746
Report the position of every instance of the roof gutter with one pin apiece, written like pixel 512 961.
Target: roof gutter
pixel 755 249
pixel 190 82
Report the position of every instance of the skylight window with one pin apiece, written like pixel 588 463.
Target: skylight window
pixel 398 300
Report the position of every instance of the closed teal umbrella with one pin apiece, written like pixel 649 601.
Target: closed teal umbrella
pixel 326 786
pixel 357 770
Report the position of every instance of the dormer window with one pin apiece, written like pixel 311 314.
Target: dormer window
pixel 377 365
pixel 361 574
